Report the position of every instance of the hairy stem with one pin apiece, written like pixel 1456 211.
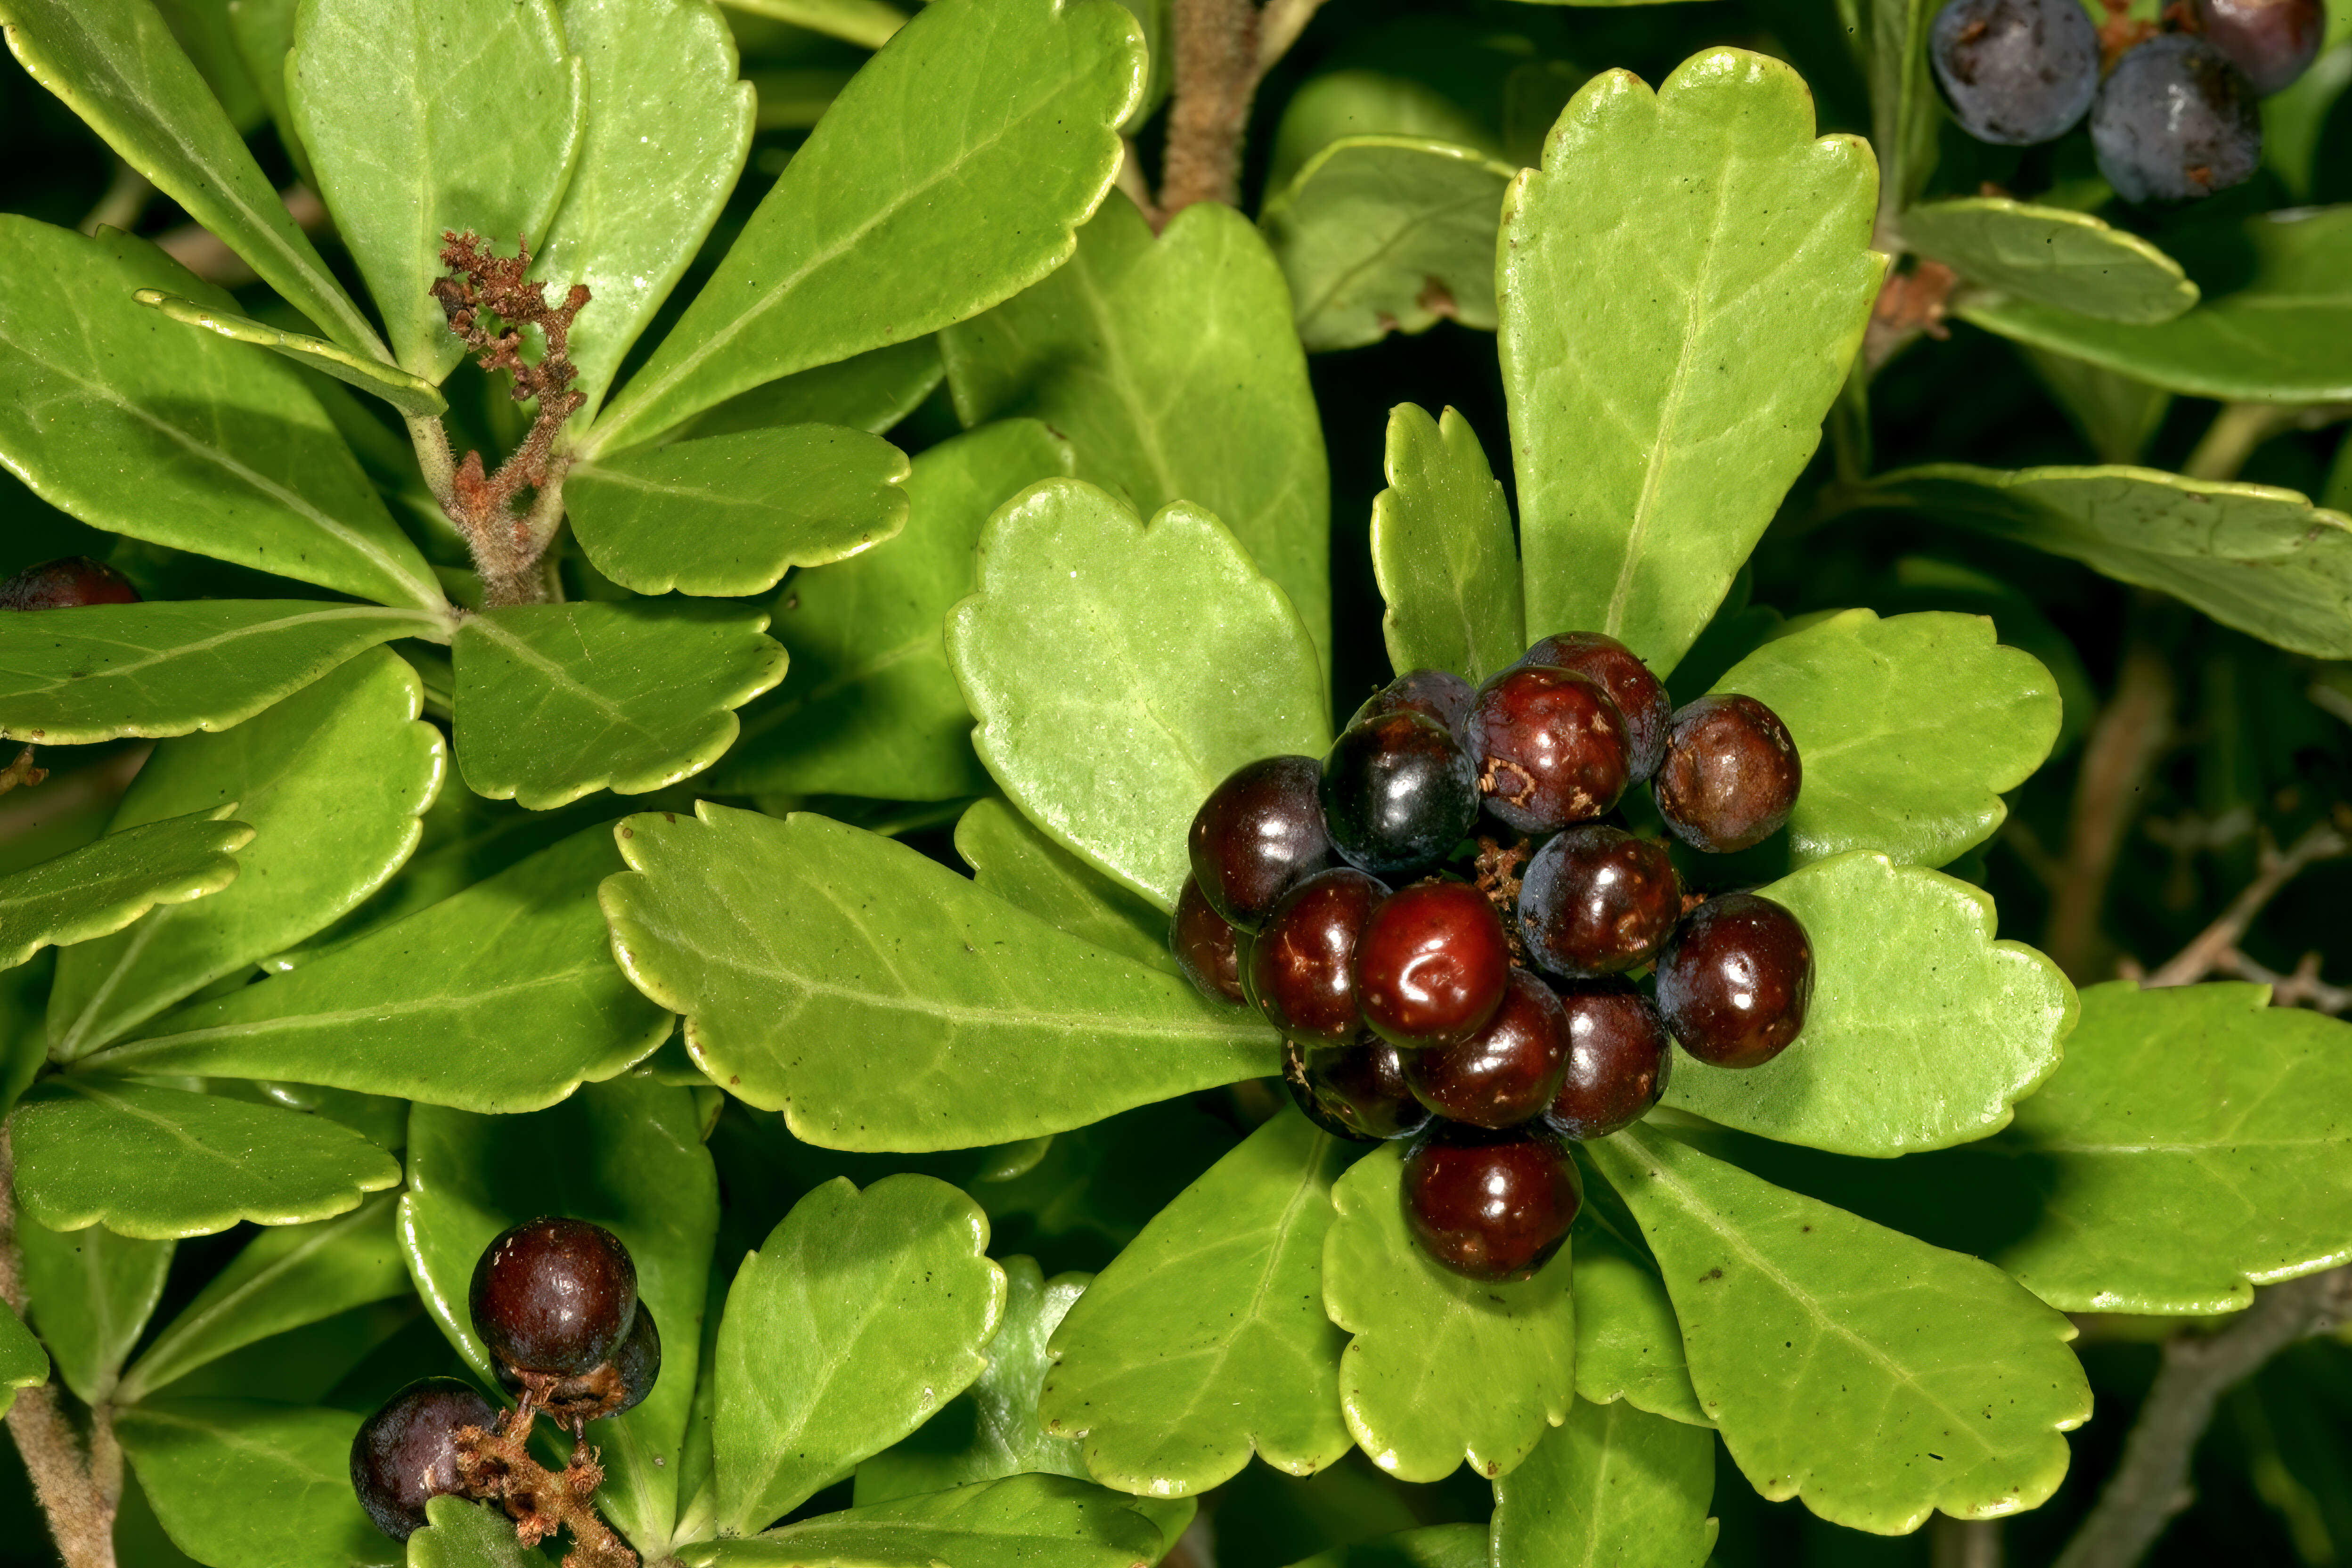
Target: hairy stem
pixel 1216 55
pixel 2123 747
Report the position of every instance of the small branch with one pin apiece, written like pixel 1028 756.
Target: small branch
pixel 2118 757
pixel 2301 989
pixel 1216 50
pixel 1278 27
pixel 2233 436
pixel 126 198
pixel 2209 947
pixel 22 771
pixel 1965 1543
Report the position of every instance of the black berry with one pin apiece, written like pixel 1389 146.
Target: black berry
pixel 1431 963
pixel 1597 900
pixel 2272 41
pixel 66 583
pixel 1506 1072
pixel 1638 697
pixel 1299 974
pixel 2015 71
pixel 2173 121
pixel 1734 982
pixel 1207 949
pixel 407 1451
pixel 1356 1090
pixel 1438 694
pixel 1257 834
pixel 615 1388
pixel 1491 1205
pixel 1549 746
pixel 1617 1060
pixel 1730 775
pixel 1398 794
pixel 553 1296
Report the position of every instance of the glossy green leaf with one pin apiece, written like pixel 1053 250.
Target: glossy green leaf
pixel 2277 337
pixel 117 67
pixel 859 1316
pixel 2262 560
pixel 1683 284
pixel 1010 858
pixel 869 392
pixel 133 423
pixel 103 887
pixel 463 1534
pixel 1442 1368
pixel 513 978
pixel 729 515
pixel 284 1278
pixel 2053 257
pixel 1923 1031
pixel 1443 552
pixel 976 1022
pixel 1874 1376
pixel 1118 671
pixel 23 1362
pixel 240 1483
pixel 556 701
pixel 1011 1523
pixel 1363 101
pixel 1906 115
pixel 70 676
pixel 1206 1340
pixel 1628 1345
pixel 1386 234
pixel 264 31
pixel 1432 1546
pixel 1171 365
pixel 332 780
pixel 950 173
pixel 627 1156
pixel 91 1293
pixel 2300 123
pixel 426 116
pixel 157 1162
pixel 869 704
pixel 1611 1486
pixel 409 394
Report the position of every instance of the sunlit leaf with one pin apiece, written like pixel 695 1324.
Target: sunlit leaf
pixel 2051 256
pixel 1628 1345
pixel 1443 552
pixel 409 393
pixel 1613 1485
pixel 1010 858
pixel 241 1484
pixel 103 887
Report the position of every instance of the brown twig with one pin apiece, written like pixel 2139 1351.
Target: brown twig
pixel 1909 303
pixel 2118 757
pixel 2302 988
pixel 21 771
pixel 2205 951
pixel 1216 75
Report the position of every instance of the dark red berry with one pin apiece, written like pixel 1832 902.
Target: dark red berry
pixel 1730 776
pixel 66 583
pixel 1207 949
pixel 1597 900
pixel 615 1388
pixel 1638 697
pixel 1398 794
pixel 1438 694
pixel 1491 1205
pixel 2272 41
pixel 1300 973
pixel 1508 1071
pixel 1256 834
pixel 1734 982
pixel 407 1451
pixel 553 1296
pixel 1617 1060
pixel 1430 964
pixel 1549 746
pixel 1355 1091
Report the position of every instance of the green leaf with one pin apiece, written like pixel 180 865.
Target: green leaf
pixel 869 704
pixel 1628 1345
pixel 286 1277
pixel 1909 730
pixel 627 1156
pixel 1444 553
pixel 71 677
pixel 129 423
pixel 868 23
pixel 2264 561
pixel 1362 101
pixel 950 173
pixel 976 1022
pixel 513 977
pixel 2276 336
pixel 1173 366
pixel 1432 1546
pixel 408 394
pixel 1011 1523
pixel 1206 1340
pixel 102 888
pixel 2052 256
pixel 1923 1031
pixel 424 116
pixel 1613 1485
pixel 1010 858
pixel 1118 671
pixel 240 1483
pixel 464 1534
pixel 1874 1376
pixel 556 701
pixel 1684 284
pixel 157 1162
pixel 1384 234
pixel 332 780
pixel 91 1293
pixel 727 516
pixel 1442 1369
pixel 869 392
pixel 2299 121
pixel 264 32
pixel 23 1362
pixel 1905 112
pixel 859 1316
pixel 116 65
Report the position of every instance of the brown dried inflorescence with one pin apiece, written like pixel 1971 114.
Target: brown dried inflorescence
pixel 497 1466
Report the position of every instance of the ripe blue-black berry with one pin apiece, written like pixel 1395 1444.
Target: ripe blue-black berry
pixel 1431 963
pixel 2174 119
pixel 2015 71
pixel 407 1451
pixel 1438 694
pixel 2272 41
pixel 615 1388
pixel 69 583
pixel 1617 1058
pixel 1550 746
pixel 1207 949
pixel 1622 674
pixel 1355 1090
pixel 1398 794
pixel 1256 834
pixel 1301 971
pixel 1734 982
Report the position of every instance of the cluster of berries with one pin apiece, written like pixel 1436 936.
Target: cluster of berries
pixel 555 1302
pixel 1494 1019
pixel 2176 117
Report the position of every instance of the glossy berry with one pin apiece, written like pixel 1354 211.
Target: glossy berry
pixel 615 1388
pixel 1734 982
pixel 2175 121
pixel 67 583
pixel 1508 1071
pixel 1491 1205
pixel 2272 41
pixel 1438 694
pixel 1398 794
pixel 1430 964
pixel 1549 746
pixel 1300 973
pixel 2015 72
pixel 1257 834
pixel 1617 1060
pixel 1730 775
pixel 1638 697
pixel 1597 900
pixel 553 1296
pixel 1207 949
pixel 407 1451
pixel 1355 1091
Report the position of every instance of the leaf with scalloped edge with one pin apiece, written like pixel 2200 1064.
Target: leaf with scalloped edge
pixel 1612 1485
pixel 1628 1345
pixel 1017 1522
pixel 2051 256
pixel 1430 1546
pixel 103 887
pixel 1443 552
pixel 243 1484
pixel 1010 857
